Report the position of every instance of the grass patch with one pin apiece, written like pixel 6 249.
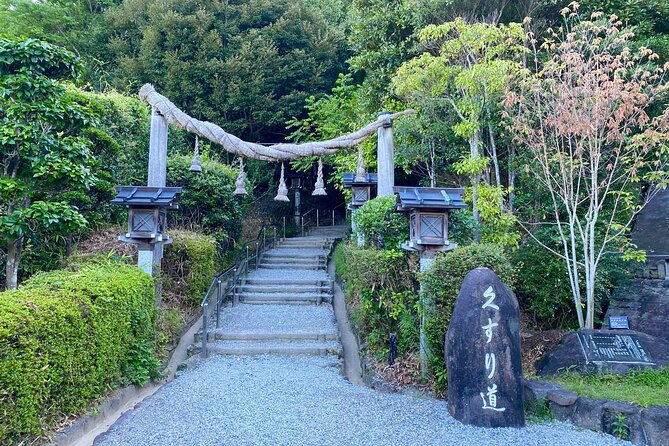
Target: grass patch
pixel 645 387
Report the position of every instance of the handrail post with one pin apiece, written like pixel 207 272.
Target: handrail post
pixel 235 299
pixel 317 212
pixel 333 222
pixel 205 322
pixel 218 304
pixel 284 227
pixel 303 226
pixel 247 257
pixel 274 236
pixel 257 258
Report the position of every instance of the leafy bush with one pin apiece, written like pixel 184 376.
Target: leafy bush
pixel 380 290
pixel 67 337
pixel 207 200
pixel 441 285
pixel 379 223
pixel 189 265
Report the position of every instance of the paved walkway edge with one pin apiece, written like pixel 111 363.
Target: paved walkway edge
pixel 84 430
pixel 352 367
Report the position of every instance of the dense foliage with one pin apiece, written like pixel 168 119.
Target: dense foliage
pixel 67 337
pixel 189 266
pixel 380 225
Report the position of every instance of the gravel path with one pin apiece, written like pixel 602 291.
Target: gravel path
pixel 279 318
pixel 305 401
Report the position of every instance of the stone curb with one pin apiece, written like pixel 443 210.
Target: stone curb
pixel 644 426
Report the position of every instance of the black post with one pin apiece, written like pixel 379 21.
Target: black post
pixel 393 348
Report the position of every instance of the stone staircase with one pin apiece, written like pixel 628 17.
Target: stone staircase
pixel 285 305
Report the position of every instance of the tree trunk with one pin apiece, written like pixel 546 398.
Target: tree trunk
pixel 512 177
pixel 474 153
pixel 14 248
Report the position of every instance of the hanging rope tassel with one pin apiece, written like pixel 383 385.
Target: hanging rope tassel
pixel 282 193
pixel 195 165
pixel 319 188
pixel 240 183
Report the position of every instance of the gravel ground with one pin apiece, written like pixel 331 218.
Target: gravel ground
pixel 280 318
pixel 305 401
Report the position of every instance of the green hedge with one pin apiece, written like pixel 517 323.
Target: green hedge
pixel 189 265
pixel 67 337
pixel 380 225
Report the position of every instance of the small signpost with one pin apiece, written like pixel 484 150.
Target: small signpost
pixel 619 322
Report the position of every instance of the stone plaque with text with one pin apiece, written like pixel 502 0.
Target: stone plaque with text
pixel 617 348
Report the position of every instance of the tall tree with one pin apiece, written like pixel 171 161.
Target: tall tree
pixel 583 118
pixel 42 154
pixel 466 67
pixel 248 64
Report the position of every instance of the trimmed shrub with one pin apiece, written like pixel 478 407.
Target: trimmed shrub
pixel 67 337
pixel 441 285
pixel 379 223
pixel 189 265
pixel 380 288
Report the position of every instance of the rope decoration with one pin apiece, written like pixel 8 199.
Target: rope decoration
pixel 282 193
pixel 235 145
pixel 240 182
pixel 319 188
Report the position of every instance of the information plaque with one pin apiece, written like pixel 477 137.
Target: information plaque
pixel 619 322
pixel 617 348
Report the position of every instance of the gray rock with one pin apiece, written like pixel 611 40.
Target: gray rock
pixel 536 390
pixel 588 413
pixel 483 357
pixel 655 423
pixel 561 413
pixel 562 397
pixel 623 420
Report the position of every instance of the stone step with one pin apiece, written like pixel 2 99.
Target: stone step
pixel 253 348
pixel 278 298
pixel 293 254
pixel 222 334
pixel 292 259
pixel 326 281
pixel 291 266
pixel 278 288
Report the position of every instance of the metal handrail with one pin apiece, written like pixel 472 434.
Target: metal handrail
pixel 230 276
pixel 303 223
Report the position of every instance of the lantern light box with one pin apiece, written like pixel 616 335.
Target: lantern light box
pixel 361 188
pixel 147 208
pixel 428 208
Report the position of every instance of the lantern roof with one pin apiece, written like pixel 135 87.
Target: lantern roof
pixel 147 196
pixel 350 180
pixel 409 198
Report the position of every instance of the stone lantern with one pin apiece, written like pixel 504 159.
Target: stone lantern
pixel 361 188
pixel 428 209
pixel 147 212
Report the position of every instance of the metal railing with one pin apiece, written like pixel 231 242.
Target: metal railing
pixel 224 285
pixel 323 217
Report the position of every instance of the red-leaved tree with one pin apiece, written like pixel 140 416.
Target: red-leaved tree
pixel 582 114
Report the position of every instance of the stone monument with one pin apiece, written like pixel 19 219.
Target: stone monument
pixel 483 356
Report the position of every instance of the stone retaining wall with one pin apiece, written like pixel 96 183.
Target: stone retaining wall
pixel 644 426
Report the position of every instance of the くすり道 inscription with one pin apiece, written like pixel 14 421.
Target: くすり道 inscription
pixel 483 355
pixel 608 347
